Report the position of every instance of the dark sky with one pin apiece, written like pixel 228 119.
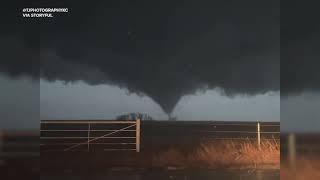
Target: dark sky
pixel 166 51
pixel 163 49
pixel 300 53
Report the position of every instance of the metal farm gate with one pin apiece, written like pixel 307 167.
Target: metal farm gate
pixel 88 135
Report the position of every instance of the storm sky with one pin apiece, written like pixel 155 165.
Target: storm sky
pixel 210 60
pixel 300 74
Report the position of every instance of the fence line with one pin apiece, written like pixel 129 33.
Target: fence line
pixel 259 132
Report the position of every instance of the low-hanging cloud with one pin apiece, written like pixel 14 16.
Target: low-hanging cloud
pixel 161 49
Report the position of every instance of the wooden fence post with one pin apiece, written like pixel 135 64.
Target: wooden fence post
pixel 292 150
pixel 138 122
pixel 259 135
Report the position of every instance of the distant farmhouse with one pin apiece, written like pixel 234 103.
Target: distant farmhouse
pixel 134 116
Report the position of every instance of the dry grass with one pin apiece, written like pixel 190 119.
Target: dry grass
pixel 307 168
pixel 223 154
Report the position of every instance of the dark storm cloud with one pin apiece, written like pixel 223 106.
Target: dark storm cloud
pixel 162 49
pixel 300 53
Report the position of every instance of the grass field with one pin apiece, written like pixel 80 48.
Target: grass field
pixel 307 168
pixel 224 154
pixel 307 163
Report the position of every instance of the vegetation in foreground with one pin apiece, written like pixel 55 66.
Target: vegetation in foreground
pixel 307 168
pixel 209 155
pixel 223 154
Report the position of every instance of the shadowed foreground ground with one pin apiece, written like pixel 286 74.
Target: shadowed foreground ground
pixel 307 163
pixel 307 168
pixel 211 155
pixel 156 174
